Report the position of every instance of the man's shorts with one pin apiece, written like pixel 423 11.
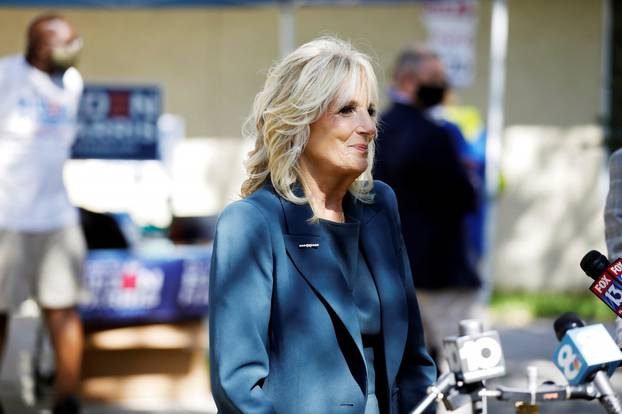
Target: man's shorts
pixel 48 266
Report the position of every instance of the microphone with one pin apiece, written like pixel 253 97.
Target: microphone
pixel 607 284
pixel 583 350
pixel 475 355
pixel 587 353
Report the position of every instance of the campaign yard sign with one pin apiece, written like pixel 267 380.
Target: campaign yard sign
pixel 118 123
pixel 121 287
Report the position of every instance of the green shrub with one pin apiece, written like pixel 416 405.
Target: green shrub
pixel 551 305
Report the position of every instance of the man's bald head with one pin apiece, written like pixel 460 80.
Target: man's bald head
pixel 417 63
pixel 45 33
pixel 415 69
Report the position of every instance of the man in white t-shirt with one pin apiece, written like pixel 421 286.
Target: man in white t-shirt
pixel 41 244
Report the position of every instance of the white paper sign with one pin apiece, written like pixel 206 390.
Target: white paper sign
pixel 451 29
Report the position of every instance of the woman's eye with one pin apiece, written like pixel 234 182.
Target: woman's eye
pixel 348 109
pixel 371 111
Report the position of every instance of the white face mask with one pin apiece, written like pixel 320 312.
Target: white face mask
pixel 64 57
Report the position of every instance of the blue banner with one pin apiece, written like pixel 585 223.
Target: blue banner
pixel 118 122
pixel 128 3
pixel 182 3
pixel 123 288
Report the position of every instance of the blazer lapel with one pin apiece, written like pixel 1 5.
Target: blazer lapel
pixel 314 260
pixel 383 261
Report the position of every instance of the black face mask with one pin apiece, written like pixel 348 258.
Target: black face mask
pixel 430 95
pixel 66 56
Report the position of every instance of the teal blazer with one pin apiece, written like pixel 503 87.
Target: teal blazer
pixel 284 332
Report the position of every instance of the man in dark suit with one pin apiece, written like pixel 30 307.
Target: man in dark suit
pixel 613 218
pixel 418 158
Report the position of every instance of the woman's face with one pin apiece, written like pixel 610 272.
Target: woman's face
pixel 339 139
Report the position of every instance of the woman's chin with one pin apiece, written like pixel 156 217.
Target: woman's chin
pixel 355 170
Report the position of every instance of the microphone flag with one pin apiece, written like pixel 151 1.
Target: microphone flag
pixel 584 351
pixel 608 287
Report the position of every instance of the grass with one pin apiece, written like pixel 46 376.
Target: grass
pixel 551 305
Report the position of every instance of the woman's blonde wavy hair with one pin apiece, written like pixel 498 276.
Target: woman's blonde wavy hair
pixel 318 76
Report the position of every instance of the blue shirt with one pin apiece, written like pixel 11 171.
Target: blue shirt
pixel 344 241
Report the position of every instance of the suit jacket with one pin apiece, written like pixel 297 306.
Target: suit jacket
pixel 418 159
pixel 613 207
pixel 613 218
pixel 284 332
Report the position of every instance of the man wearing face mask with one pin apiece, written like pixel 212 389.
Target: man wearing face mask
pixel 41 244
pixel 419 159
pixel 432 88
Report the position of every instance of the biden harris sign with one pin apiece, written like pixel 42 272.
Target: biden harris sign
pixel 120 286
pixel 118 123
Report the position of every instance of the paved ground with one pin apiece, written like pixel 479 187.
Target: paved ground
pixel 16 383
pixel 531 345
pixel 534 345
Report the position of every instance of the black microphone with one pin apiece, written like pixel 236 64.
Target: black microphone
pixel 580 357
pixel 566 322
pixel 594 264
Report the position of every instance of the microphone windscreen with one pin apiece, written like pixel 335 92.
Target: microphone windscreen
pixel 594 264
pixel 568 320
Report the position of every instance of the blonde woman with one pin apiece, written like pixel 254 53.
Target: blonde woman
pixel 312 307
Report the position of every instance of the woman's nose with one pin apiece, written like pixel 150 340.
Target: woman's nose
pixel 367 125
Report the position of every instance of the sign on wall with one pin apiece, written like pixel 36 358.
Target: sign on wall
pixel 118 122
pixel 451 30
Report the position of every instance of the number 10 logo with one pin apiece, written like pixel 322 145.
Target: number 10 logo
pixel 483 353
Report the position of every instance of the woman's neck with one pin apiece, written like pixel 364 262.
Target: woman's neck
pixel 326 195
